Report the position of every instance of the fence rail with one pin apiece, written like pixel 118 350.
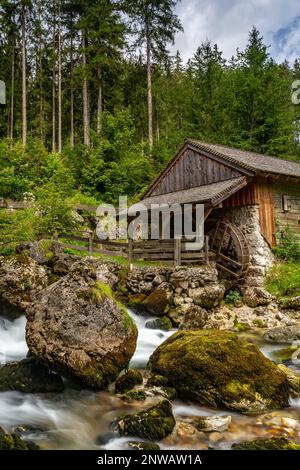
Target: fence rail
pixel 177 251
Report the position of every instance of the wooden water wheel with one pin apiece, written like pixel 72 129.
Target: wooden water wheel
pixel 231 249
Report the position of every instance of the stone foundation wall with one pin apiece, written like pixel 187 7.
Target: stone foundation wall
pixel 261 256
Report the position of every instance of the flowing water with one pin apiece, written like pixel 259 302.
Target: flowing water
pixel 82 419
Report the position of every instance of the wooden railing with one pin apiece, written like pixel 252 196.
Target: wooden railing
pixel 173 251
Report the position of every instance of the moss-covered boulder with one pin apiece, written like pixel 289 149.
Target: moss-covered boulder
pixel 78 328
pixel 29 376
pixel 157 302
pixel 155 423
pixel 14 442
pixel 141 445
pixel 275 443
pixel 135 395
pixel 128 380
pixel 293 380
pixel 162 323
pixel 217 368
pixel 156 380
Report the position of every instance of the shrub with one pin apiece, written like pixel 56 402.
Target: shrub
pixel 288 248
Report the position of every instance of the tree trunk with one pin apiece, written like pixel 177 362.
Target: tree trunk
pixel 12 99
pixel 72 96
pixel 99 104
pixel 149 91
pixel 24 78
pixel 54 88
pixel 59 147
pixel 86 120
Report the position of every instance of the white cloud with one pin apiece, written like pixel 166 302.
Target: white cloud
pixel 227 22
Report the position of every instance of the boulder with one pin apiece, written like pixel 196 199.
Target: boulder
pixel 135 395
pixel 209 296
pixel 29 376
pixel 257 296
pixel 128 380
pixel 194 319
pixel 293 380
pixel 155 423
pixel 162 323
pixel 201 276
pixel 78 329
pixel 157 302
pixel 283 334
pixel 274 443
pixel 21 278
pixel 41 251
pixel 216 368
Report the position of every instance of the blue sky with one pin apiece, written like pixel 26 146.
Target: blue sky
pixel 227 23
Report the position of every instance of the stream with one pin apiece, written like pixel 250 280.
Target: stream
pixel 82 419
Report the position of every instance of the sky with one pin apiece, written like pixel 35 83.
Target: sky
pixel 227 23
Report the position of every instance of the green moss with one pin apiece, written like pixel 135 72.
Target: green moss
pixel 217 368
pixel 275 443
pixel 135 300
pixel 127 381
pixel 138 395
pixel 97 293
pixel 259 323
pixel 285 354
pixel 155 423
pixel 170 393
pixel 14 442
pixel 156 380
pixel 127 320
pixel 161 323
pixel 240 326
pixel 157 302
pixel 139 445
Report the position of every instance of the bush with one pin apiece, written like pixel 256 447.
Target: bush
pixel 288 248
pixel 283 279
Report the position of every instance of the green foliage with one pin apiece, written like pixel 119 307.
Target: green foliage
pixel 16 227
pixel 233 296
pixel 288 248
pixel 283 279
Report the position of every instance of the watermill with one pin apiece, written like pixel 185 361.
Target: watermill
pixel 231 249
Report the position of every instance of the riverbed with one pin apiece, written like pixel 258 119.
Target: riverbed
pixel 83 419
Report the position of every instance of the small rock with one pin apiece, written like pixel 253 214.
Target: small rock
pixel 212 423
pixel 257 296
pixel 155 423
pixel 127 381
pixel 283 334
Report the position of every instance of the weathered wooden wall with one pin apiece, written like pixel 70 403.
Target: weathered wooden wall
pixel 291 217
pixel 259 191
pixel 190 170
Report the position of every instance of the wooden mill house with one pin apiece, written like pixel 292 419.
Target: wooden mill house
pixel 249 201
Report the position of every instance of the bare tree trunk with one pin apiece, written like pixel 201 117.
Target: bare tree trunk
pixel 85 97
pixel 12 100
pixel 24 78
pixel 54 89
pixel 72 96
pixel 149 91
pixel 99 105
pixel 59 83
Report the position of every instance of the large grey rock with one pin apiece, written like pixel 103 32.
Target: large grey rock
pixel 283 334
pixel 257 296
pixel 77 328
pixel 207 297
pixel 21 278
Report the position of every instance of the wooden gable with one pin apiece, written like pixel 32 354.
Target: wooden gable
pixel 191 168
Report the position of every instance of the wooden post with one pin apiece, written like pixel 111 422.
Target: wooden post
pixel 177 251
pixel 90 242
pixel 207 249
pixel 130 253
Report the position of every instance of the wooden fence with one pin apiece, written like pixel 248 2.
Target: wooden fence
pixel 175 251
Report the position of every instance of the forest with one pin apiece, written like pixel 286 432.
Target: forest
pixel 96 104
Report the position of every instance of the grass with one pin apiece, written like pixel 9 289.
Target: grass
pixel 283 280
pixel 120 260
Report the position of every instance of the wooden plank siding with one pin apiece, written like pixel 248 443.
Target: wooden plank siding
pixel 259 191
pixel 193 169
